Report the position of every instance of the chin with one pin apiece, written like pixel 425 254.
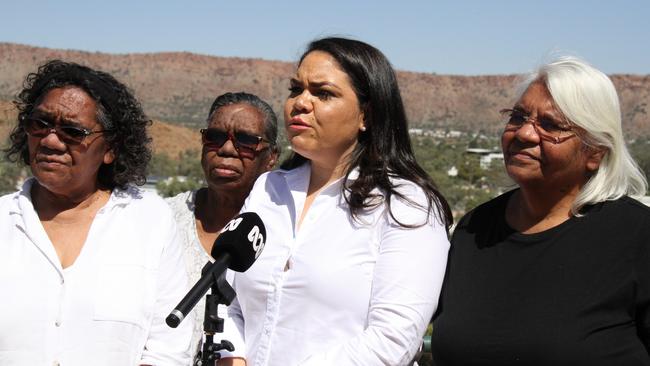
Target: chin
pixel 222 183
pixel 54 187
pixel 51 180
pixel 523 176
pixel 301 145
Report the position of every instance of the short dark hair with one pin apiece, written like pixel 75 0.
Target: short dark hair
pixel 117 111
pixel 384 150
pixel 270 119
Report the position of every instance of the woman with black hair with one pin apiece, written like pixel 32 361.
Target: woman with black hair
pixel 357 240
pixel 90 264
pixel 239 144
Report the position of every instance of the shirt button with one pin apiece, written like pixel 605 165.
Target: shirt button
pixel 57 323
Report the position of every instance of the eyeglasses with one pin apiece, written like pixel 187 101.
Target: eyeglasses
pixel 546 128
pixel 245 144
pixel 69 134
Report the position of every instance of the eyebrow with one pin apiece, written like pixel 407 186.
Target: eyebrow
pixel 553 114
pixel 519 108
pixel 238 129
pixel 316 84
pixel 43 113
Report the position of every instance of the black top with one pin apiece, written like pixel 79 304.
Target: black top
pixel 576 294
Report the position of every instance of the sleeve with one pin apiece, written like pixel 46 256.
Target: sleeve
pixel 405 288
pixel 165 345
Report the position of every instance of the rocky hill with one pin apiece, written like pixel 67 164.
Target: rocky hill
pixel 179 87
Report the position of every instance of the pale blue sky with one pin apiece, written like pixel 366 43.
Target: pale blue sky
pixel 445 37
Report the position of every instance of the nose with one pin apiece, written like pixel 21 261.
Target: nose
pixel 228 148
pixel 302 103
pixel 528 132
pixel 52 140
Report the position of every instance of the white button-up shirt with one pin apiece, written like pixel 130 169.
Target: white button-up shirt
pixel 108 308
pixel 336 291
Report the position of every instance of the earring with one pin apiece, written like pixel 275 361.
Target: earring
pixel 363 128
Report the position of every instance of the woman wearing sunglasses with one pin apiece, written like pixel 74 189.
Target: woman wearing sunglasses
pixel 557 271
pixel 90 264
pixel 356 231
pixel 239 144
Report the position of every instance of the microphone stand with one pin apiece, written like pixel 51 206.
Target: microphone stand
pixel 222 293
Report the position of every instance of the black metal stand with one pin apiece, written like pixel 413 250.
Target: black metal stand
pixel 222 294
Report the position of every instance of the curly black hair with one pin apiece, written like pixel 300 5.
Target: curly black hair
pixel 117 111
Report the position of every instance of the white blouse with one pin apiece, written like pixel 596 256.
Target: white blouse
pixel 108 308
pixel 336 291
pixel 195 257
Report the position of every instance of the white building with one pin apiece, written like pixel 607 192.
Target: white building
pixel 486 160
pixel 486 156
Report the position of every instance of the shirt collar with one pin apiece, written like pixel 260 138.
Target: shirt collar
pixel 122 197
pixel 118 198
pixel 300 176
pixel 297 180
pixel 23 198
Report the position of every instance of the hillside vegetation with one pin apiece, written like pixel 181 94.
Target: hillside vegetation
pixel 179 87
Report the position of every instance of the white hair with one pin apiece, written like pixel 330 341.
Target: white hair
pixel 588 99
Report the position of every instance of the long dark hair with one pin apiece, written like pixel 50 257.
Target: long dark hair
pixel 117 110
pixel 384 150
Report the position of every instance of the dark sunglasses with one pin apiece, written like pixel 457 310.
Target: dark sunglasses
pixel 245 144
pixel 69 134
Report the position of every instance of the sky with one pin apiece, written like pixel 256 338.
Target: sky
pixel 443 37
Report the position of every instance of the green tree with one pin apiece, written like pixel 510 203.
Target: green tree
pixel 189 164
pixel 472 185
pixel 161 165
pixel 176 185
pixel 183 173
pixel 10 173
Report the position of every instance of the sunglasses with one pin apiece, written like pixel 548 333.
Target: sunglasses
pixel 69 134
pixel 245 144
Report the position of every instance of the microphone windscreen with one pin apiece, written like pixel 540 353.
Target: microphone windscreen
pixel 243 238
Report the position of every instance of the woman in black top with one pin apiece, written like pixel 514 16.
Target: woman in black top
pixel 556 272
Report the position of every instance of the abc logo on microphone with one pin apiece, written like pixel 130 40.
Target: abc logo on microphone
pixel 255 236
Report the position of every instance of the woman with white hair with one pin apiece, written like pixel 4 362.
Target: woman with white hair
pixel 557 271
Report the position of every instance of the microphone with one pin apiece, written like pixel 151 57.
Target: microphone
pixel 237 247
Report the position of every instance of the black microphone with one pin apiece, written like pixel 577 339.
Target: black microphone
pixel 239 244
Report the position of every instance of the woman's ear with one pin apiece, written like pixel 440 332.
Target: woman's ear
pixel 271 164
pixel 363 125
pixel 273 159
pixel 109 157
pixel 595 157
